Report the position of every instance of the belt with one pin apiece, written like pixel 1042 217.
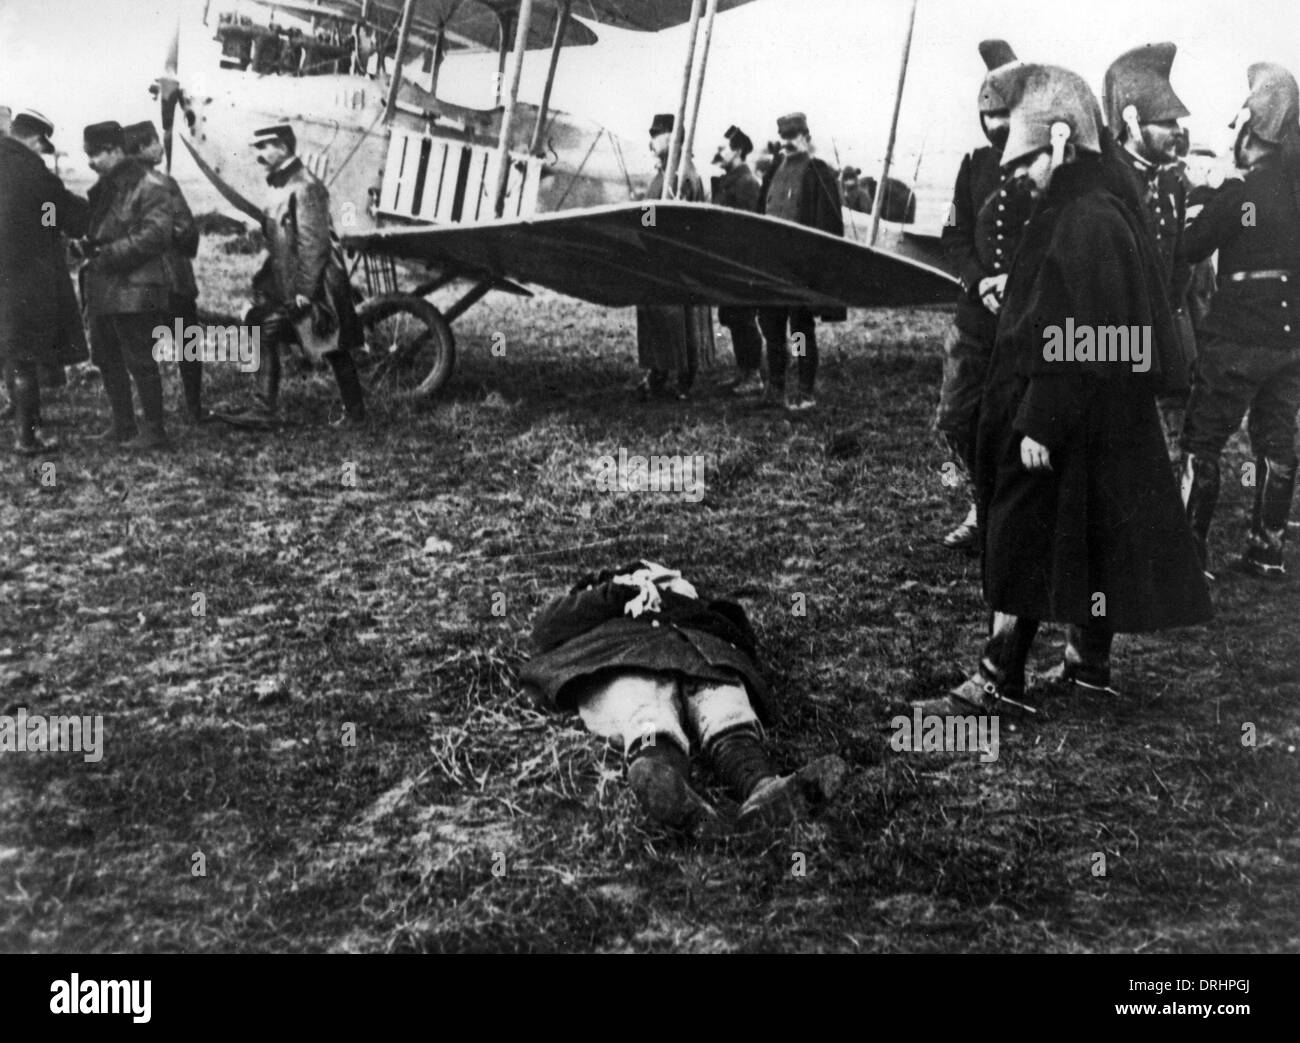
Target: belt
pixel 1268 273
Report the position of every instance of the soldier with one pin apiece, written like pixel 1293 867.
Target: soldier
pixel 301 294
pixel 1250 358
pixel 801 188
pixel 672 337
pixel 980 239
pixel 857 195
pixel 127 285
pixel 38 313
pixel 1081 512
pixel 143 143
pixel 1142 114
pixel 738 188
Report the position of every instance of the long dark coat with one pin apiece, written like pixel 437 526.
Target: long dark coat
pixel 819 206
pixel 585 634
pixel 1108 518
pixel 670 336
pixel 39 318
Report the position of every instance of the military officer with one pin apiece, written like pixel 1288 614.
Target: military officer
pixel 143 143
pixel 801 188
pixel 301 293
pixel 980 237
pixel 1082 515
pixel 738 188
pixel 1250 358
pixel 1142 114
pixel 672 338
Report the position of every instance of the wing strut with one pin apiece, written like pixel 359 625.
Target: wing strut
pixel 395 85
pixel 697 89
pixel 893 130
pixel 512 98
pixel 561 27
pixel 670 190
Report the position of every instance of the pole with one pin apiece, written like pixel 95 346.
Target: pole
pixel 507 116
pixel 561 26
pixel 504 21
pixel 439 50
pixel 893 130
pixel 697 88
pixel 395 85
pixel 674 149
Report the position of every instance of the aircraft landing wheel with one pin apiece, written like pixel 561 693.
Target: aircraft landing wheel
pixel 409 351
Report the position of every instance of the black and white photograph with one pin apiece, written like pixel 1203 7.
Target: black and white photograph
pixel 651 476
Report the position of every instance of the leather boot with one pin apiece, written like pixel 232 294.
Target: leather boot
pixel 349 381
pixel 27 412
pixel 1086 665
pixel 998 686
pixel 1273 492
pixel 192 388
pixel 1200 488
pixel 117 387
pixel 657 772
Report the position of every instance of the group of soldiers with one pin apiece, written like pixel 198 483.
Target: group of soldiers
pixel 1069 219
pixel 134 240
pixel 796 186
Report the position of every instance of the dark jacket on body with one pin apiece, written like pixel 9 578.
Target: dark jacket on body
pixel 1107 518
pixel 1255 226
pixel 131 221
pixel 585 634
pixel 39 319
pixel 813 199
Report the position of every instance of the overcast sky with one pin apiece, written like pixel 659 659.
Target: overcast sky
pixel 837 60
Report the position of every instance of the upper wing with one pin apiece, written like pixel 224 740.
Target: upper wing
pixel 648 15
pixel 670 253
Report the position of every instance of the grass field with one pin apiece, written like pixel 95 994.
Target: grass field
pixel 463 819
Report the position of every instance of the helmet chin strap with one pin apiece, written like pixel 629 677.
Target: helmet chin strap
pixel 1130 116
pixel 1060 136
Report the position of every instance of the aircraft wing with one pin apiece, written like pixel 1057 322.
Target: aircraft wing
pixel 466 25
pixel 645 15
pixel 669 253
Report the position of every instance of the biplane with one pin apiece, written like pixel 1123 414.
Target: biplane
pixel 428 195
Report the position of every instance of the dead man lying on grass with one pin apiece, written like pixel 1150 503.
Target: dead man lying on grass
pixel 649 663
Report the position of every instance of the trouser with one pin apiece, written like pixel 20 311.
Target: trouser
pixel 191 370
pixel 1232 379
pixel 965 365
pixel 1006 653
pixel 122 348
pixel 746 340
pixel 802 325
pixel 634 706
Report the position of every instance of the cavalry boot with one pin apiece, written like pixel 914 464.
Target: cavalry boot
pixel 657 772
pixel 117 387
pixel 998 686
pixel 768 798
pixel 1263 557
pixel 27 412
pixel 354 399
pixel 192 388
pixel 263 413
pixel 1086 665
pixel 1200 488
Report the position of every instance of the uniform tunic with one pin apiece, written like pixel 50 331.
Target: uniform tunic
pixel 1107 518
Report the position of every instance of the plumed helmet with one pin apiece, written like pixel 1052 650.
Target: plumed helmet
pixel 1041 96
pixel 995 53
pixel 1274 103
pixel 1140 78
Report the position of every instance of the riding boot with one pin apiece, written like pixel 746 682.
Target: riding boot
pixel 117 388
pixel 345 373
pixel 1200 488
pixel 658 771
pixel 1263 557
pixel 153 432
pixel 192 387
pixel 27 413
pixel 1087 659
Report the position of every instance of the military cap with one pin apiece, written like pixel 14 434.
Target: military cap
pixel 1274 103
pixel 1140 78
pixel 996 53
pixel 281 132
pixel 663 123
pixel 100 136
pixel 138 135
pixel 792 125
pixel 739 140
pixel 30 123
pixel 1044 95
pixel 850 173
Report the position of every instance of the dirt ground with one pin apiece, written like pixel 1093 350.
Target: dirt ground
pixel 335 755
